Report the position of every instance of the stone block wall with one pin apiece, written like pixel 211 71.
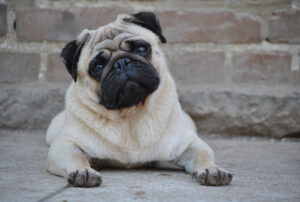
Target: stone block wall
pixel 236 62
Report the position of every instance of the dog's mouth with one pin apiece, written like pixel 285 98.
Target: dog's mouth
pixel 131 94
pixel 126 88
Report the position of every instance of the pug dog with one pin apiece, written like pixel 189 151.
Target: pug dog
pixel 122 108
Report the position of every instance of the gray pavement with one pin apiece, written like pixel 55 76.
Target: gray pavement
pixel 264 170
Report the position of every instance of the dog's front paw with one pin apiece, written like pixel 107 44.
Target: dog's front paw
pixel 84 178
pixel 213 176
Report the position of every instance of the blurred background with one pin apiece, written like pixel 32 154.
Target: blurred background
pixel 236 63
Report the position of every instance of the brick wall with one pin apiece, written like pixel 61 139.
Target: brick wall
pixel 216 46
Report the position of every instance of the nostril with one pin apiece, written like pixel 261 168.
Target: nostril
pixel 118 66
pixel 127 61
pixel 122 63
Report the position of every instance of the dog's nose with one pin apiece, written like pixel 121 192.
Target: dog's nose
pixel 122 63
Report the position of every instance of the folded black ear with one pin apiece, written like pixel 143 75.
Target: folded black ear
pixel 149 21
pixel 70 55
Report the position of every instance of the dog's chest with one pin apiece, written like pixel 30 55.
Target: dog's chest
pixel 128 142
pixel 137 135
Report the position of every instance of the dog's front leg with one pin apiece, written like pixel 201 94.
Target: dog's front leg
pixel 68 160
pixel 198 160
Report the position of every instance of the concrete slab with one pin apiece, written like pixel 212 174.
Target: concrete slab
pixel 264 170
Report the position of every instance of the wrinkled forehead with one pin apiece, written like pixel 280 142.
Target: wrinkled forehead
pixel 112 35
pixel 109 37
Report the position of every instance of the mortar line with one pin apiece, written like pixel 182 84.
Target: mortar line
pixel 295 61
pixel 228 67
pixel 43 66
pixel 56 192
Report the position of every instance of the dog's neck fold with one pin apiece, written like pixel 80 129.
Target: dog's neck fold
pixel 134 124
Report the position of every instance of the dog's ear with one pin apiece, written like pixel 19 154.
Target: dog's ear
pixel 149 21
pixel 71 52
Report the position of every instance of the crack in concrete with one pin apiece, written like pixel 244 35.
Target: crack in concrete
pixel 56 192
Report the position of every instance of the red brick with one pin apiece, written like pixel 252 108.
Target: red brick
pixel 19 67
pixel 264 68
pixel 196 68
pixel 209 26
pixel 284 27
pixel 56 70
pixel 62 25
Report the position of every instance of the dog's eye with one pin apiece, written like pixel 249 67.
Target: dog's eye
pixel 96 66
pixel 141 49
pixel 99 67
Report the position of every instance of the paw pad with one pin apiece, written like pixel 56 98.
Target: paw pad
pixel 84 178
pixel 213 176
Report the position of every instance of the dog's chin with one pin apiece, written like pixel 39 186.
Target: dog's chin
pixel 130 95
